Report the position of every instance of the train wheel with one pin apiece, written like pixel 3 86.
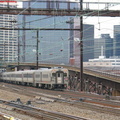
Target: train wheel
pixel 37 85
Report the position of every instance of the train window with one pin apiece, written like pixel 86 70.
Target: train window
pixel 65 74
pixel 4 75
pixel 14 75
pixel 18 75
pixel 58 74
pixel 45 75
pixel 25 75
pixel 30 76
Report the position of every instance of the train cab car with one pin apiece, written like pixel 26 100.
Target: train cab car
pixel 59 78
pixel 51 78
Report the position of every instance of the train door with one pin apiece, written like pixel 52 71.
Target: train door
pixel 60 78
pixel 37 78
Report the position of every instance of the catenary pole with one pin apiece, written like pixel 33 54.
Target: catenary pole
pixel 18 50
pixel 37 49
pixel 81 46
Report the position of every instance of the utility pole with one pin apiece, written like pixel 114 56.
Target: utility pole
pixel 24 37
pixel 81 46
pixel 18 51
pixel 37 49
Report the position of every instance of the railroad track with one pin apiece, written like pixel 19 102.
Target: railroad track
pixel 39 113
pixel 94 107
pixel 94 104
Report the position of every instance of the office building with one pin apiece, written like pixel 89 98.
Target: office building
pixel 8 38
pixel 106 43
pixel 116 46
pixel 88 41
pixel 102 61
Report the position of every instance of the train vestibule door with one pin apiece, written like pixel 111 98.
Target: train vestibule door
pixel 59 77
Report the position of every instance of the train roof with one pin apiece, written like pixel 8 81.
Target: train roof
pixel 42 69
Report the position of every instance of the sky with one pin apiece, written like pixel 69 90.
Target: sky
pixel 103 25
pixel 19 4
pixel 101 1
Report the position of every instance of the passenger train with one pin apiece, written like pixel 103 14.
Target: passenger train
pixel 53 78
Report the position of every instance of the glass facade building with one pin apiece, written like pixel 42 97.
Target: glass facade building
pixel 116 40
pixel 88 41
pixel 108 45
pixel 105 43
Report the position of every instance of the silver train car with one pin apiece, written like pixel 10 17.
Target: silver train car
pixel 54 78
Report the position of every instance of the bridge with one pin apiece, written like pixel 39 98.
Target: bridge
pixel 95 79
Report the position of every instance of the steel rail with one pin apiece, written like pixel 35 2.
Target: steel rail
pixel 39 112
pixel 95 107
